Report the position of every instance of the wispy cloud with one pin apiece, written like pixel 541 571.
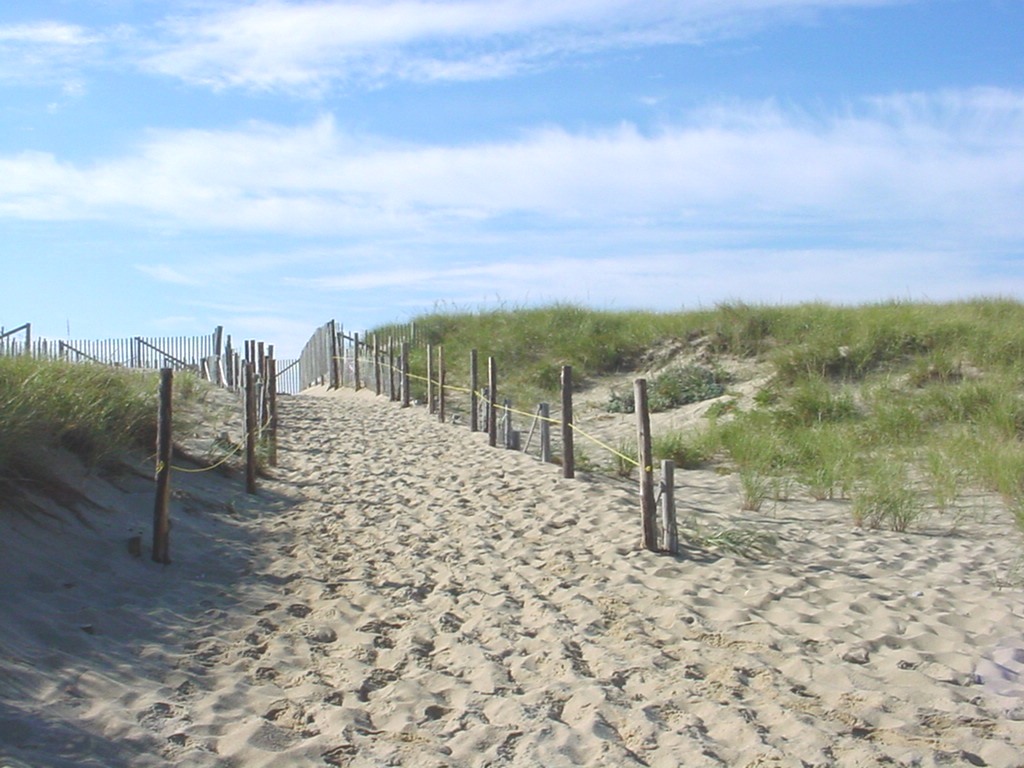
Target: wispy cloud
pixel 166 274
pixel 309 46
pixel 45 51
pixel 672 280
pixel 949 164
pixel 45 33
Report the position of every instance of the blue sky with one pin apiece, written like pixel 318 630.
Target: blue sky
pixel 166 167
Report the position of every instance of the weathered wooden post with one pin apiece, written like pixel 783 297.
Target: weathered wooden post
pixel 332 351
pixel 355 361
pixel 474 398
pixel 392 371
pixel 668 507
pixel 376 366
pixel 272 411
pixel 492 402
pixel 250 427
pixel 218 353
pixel 545 433
pixel 430 379
pixel 568 449
pixel 266 386
pixel 647 504
pixel 440 380
pixel 161 513
pixel 511 436
pixel 405 374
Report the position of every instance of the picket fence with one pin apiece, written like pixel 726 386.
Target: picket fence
pixel 212 356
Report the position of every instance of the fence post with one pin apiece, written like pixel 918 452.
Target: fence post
pixel 266 385
pixel 250 427
pixel 647 505
pixel 430 379
pixel 545 433
pixel 511 437
pixel 440 380
pixel 568 449
pixel 332 350
pixel 272 408
pixel 405 374
pixel 474 386
pixel 492 402
pixel 218 350
pixel 161 514
pixel 668 507
pixel 392 394
pixel 376 365
pixel 355 359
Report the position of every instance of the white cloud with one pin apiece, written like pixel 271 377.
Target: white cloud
pixel 166 274
pixel 45 51
pixel 45 33
pixel 941 165
pixel 272 44
pixel 672 280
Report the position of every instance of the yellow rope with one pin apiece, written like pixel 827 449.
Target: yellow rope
pixel 200 470
pixel 509 409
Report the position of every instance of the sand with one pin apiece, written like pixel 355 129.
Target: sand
pixel 401 594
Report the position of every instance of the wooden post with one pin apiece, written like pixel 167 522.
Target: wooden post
pixel 670 534
pixel 545 433
pixel 392 391
pixel 405 374
pixel 266 386
pixel 355 360
pixel 250 427
pixel 430 379
pixel 376 366
pixel 218 352
pixel 568 449
pixel 332 351
pixel 647 505
pixel 440 381
pixel 511 436
pixel 492 402
pixel 161 513
pixel 272 411
pixel 474 398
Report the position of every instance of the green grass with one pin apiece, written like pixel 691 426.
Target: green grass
pixel 101 415
pixel 897 406
pixel 92 411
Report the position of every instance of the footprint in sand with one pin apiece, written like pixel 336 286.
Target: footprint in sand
pixel 156 717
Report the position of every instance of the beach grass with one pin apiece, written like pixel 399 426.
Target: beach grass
pixel 97 413
pixel 865 403
pixel 92 411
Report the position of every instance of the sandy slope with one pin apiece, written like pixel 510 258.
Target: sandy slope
pixel 401 594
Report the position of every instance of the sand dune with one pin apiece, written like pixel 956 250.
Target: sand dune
pixel 401 594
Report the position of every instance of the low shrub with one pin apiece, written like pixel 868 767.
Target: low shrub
pixel 672 388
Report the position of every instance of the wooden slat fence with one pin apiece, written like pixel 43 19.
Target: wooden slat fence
pixel 153 352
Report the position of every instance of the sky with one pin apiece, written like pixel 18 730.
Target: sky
pixel 170 166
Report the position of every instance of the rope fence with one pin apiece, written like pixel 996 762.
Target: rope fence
pixel 335 359
pixel 259 388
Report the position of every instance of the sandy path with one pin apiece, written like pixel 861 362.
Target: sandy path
pixel 403 595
